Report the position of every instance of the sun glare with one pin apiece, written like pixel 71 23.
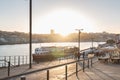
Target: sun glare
pixel 63 22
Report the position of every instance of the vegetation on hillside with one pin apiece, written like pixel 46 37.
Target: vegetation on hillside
pixel 20 37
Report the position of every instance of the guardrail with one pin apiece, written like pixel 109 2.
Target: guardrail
pixel 7 66
pixel 84 60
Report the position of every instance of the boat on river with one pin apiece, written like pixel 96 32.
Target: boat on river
pixel 53 52
pixel 43 54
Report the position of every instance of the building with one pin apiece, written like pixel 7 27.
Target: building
pixel 52 31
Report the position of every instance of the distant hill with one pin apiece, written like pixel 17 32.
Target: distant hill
pixel 22 38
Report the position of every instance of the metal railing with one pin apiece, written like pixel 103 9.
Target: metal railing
pixel 9 62
pixel 84 60
pixel 8 67
pixel 14 60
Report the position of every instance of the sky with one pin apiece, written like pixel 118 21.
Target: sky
pixel 64 16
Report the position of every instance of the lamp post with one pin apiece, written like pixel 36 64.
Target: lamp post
pixel 30 34
pixel 92 44
pixel 79 32
pixel 92 51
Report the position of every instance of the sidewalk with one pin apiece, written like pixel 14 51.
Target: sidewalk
pixel 99 71
pixel 25 68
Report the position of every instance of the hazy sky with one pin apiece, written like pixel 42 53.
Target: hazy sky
pixel 64 16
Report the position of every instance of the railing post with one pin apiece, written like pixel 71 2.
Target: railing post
pixel 2 65
pixel 14 60
pixel 47 74
pixel 88 62
pixel 76 69
pixel 83 61
pixel 26 59
pixel 65 72
pixel 18 60
pixel 9 58
pixel 5 61
pixel 22 60
pixel 9 68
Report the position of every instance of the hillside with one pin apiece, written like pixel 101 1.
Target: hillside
pixel 21 38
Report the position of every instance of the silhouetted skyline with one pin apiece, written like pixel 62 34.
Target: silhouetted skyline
pixel 64 16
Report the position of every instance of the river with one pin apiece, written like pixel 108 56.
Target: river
pixel 23 49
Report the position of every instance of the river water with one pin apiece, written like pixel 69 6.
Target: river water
pixel 23 49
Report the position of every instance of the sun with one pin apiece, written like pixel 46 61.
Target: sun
pixel 63 21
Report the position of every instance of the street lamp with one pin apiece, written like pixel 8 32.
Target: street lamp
pixel 79 32
pixel 92 44
pixel 30 34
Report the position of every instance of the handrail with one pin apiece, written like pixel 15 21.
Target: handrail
pixel 15 60
pixel 51 67
pixel 6 61
pixel 10 65
pixel 47 68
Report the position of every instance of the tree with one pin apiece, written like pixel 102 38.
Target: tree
pixel 110 41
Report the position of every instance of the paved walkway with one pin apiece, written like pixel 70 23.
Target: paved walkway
pixel 25 68
pixel 99 71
